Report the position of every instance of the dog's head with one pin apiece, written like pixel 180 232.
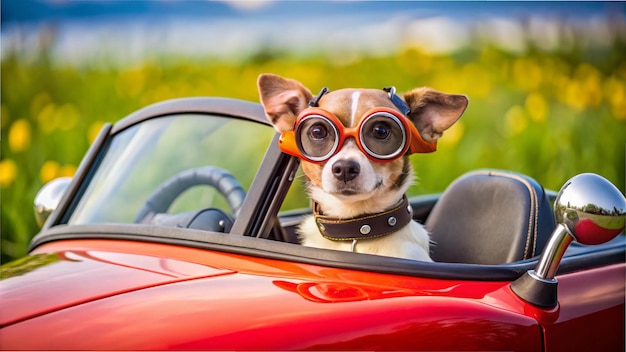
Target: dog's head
pixel 354 142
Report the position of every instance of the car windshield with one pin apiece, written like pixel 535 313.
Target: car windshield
pixel 141 158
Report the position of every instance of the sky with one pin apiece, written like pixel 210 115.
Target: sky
pixel 63 10
pixel 84 30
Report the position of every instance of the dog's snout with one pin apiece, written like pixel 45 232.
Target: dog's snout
pixel 346 170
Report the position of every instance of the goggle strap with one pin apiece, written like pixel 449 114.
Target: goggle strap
pixel 397 101
pixel 315 101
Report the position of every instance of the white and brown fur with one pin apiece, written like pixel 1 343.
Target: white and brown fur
pixel 378 186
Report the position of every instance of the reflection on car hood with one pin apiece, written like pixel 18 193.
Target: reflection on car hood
pixel 64 279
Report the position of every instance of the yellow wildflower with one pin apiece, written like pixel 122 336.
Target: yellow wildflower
pixel 19 136
pixel 46 118
pixel 536 106
pixel 49 171
pixel 67 170
pixel 67 116
pixel 574 92
pixel 591 80
pixel 615 92
pixel 8 172
pixel 527 74
pixel 515 120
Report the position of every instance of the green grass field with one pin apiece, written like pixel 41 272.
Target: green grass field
pixel 547 115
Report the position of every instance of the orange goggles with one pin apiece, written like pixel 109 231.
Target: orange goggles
pixel 384 135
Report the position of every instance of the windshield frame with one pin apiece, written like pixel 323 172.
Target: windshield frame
pixel 221 107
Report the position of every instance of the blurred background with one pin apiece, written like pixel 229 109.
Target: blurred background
pixel 546 81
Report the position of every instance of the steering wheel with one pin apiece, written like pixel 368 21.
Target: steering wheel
pixel 223 181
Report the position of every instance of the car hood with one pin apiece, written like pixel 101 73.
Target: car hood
pixel 58 280
pixel 125 295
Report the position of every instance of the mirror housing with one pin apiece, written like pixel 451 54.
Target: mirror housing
pixel 48 198
pixel 588 209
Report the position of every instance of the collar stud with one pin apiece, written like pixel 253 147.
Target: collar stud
pixel 365 229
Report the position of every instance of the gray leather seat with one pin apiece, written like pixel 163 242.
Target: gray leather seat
pixel 490 217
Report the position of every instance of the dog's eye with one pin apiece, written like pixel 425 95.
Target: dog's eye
pixel 381 130
pixel 318 131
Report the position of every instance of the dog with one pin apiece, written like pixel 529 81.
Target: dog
pixel 354 146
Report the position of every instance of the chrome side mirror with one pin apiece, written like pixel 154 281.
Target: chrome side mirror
pixel 48 198
pixel 588 209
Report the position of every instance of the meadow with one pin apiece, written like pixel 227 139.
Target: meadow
pixel 550 115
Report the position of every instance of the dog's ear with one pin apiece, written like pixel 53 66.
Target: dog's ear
pixel 433 112
pixel 282 99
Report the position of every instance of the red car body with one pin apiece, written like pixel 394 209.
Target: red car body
pixel 143 287
pixel 152 296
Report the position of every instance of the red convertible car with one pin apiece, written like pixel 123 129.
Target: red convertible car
pixel 129 259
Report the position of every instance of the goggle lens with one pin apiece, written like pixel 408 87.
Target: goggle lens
pixel 383 136
pixel 317 137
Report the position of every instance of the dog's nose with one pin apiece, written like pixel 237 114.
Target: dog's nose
pixel 346 170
